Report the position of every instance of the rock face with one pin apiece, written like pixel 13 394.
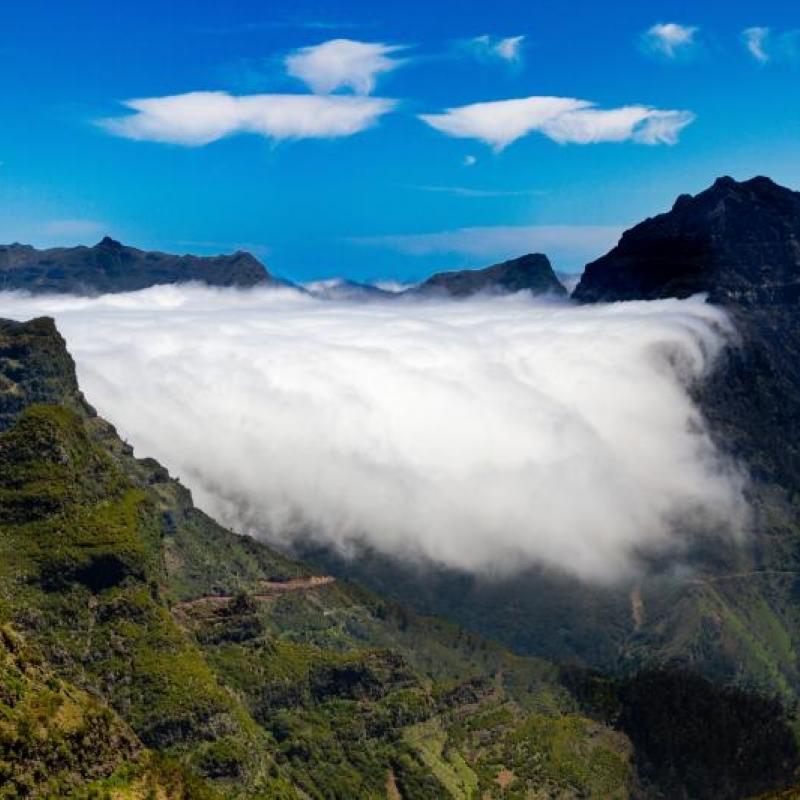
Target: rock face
pixel 532 272
pixel 35 367
pixel 740 242
pixel 113 267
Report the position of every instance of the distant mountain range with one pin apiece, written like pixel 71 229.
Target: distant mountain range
pixel 344 289
pixel 113 267
pixel 110 266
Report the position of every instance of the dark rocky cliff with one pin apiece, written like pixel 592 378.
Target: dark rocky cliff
pixel 737 241
pixel 35 367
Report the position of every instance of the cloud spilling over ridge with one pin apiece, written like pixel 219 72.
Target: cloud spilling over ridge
pixel 565 120
pixel 343 64
pixel 484 433
pixel 198 118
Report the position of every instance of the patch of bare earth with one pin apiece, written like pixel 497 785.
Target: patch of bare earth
pixel 266 590
pixel 505 778
pixel 392 792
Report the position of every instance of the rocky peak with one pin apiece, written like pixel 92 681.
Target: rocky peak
pixel 737 241
pixel 531 272
pixel 109 243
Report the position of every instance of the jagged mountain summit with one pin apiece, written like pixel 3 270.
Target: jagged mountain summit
pixel 531 272
pixel 737 241
pixel 110 266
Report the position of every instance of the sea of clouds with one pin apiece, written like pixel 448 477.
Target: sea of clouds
pixel 484 434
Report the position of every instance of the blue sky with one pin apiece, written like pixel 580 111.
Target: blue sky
pixel 342 158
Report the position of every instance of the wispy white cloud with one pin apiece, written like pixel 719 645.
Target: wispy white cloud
pixel 669 38
pixel 72 229
pixel 563 119
pixel 469 161
pixel 273 24
pixel 510 48
pixel 485 46
pixel 198 118
pixel 571 245
pixel 755 40
pixel 500 122
pixel 469 191
pixel 343 64
pixel 766 45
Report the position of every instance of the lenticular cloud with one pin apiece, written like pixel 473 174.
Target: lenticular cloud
pixel 489 433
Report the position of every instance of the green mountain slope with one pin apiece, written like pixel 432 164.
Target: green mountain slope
pixel 176 658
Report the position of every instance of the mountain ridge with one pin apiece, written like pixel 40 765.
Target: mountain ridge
pixel 531 272
pixel 110 266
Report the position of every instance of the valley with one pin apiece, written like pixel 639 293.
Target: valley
pixel 147 649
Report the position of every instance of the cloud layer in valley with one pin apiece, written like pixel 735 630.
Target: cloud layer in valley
pixel 489 433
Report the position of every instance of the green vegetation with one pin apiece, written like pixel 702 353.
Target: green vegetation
pixel 54 738
pixel 707 726
pixel 148 654
pixel 174 659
